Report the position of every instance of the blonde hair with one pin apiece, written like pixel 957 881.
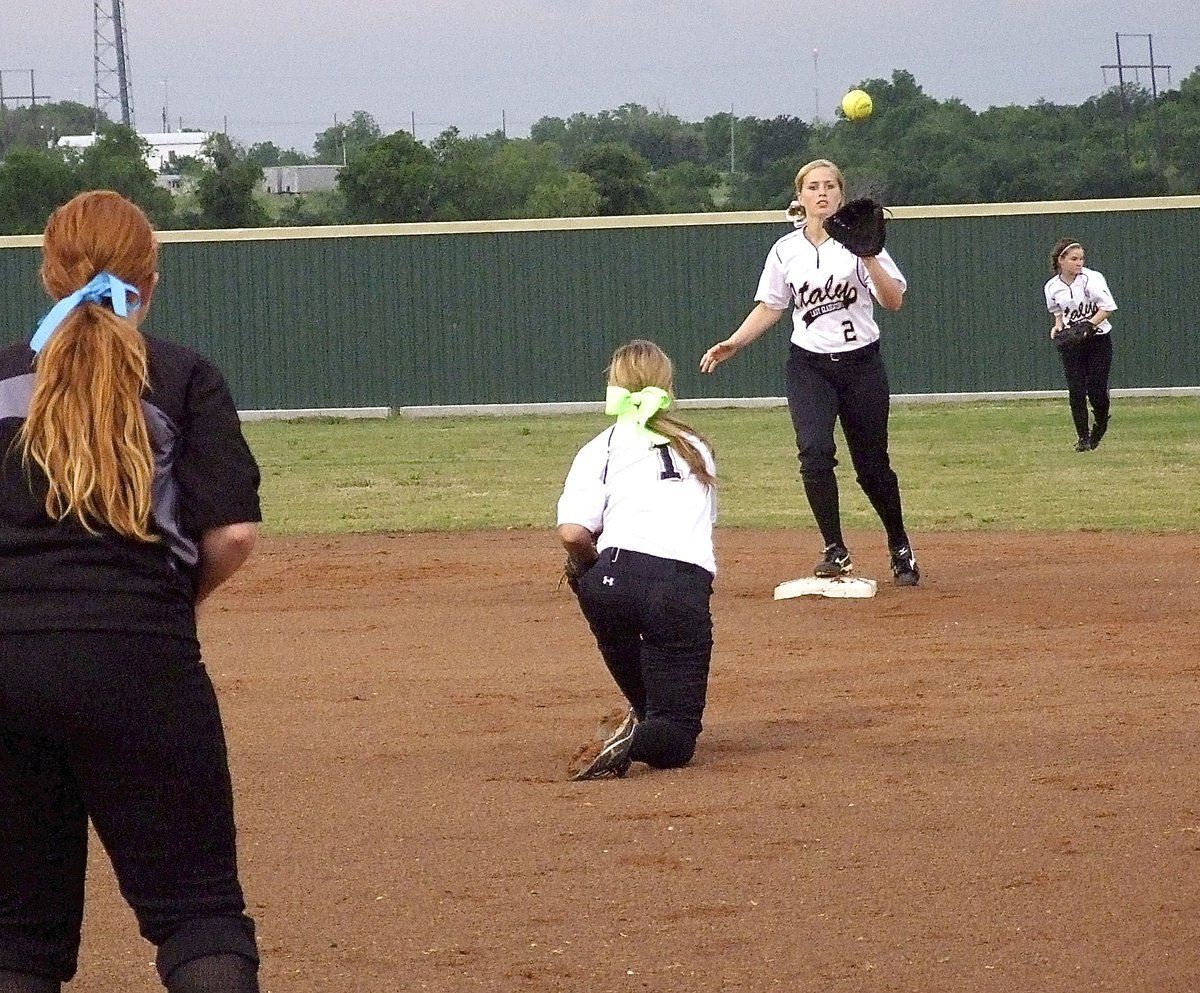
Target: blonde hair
pixel 85 427
pixel 796 209
pixel 642 363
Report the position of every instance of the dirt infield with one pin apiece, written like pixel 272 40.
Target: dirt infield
pixel 989 783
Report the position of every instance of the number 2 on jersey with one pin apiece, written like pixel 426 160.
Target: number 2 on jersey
pixel 848 331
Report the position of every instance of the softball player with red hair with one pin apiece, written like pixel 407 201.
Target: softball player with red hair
pixel 127 495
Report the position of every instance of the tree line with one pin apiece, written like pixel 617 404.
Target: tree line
pixel 913 150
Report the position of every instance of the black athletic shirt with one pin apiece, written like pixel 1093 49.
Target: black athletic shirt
pixel 54 575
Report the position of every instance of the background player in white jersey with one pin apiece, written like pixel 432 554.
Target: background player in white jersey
pixel 1076 293
pixel 834 368
pixel 636 517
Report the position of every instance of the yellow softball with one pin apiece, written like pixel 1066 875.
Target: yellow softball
pixel 856 105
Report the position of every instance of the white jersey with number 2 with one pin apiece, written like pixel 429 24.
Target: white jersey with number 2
pixel 829 290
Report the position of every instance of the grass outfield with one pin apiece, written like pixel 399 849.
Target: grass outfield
pixel 990 465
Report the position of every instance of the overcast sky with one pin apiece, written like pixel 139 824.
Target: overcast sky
pixel 285 71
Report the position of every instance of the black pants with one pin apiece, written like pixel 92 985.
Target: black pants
pixel 653 624
pixel 1087 366
pixel 123 729
pixel 852 388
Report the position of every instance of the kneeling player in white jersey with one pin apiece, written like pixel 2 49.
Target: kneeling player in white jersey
pixel 636 517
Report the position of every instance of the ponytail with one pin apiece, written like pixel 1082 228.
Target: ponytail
pixel 85 427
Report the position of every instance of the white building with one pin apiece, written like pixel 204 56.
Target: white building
pixel 164 148
pixel 299 178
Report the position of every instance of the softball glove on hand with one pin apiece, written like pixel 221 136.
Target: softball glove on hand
pixel 1074 335
pixel 860 226
pixel 573 570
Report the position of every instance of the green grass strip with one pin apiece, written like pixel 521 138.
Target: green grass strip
pixel 995 466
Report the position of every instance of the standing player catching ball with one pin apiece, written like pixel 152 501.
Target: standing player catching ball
pixel 834 367
pixel 1079 296
pixel 636 517
pixel 127 495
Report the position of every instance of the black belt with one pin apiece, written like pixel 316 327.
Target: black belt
pixel 851 355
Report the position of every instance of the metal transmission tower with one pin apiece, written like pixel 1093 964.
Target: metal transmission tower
pixel 112 60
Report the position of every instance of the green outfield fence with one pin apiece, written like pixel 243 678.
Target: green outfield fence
pixel 528 312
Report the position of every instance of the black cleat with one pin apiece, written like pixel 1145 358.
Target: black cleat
pixel 1098 432
pixel 835 561
pixel 1083 445
pixel 613 761
pixel 904 566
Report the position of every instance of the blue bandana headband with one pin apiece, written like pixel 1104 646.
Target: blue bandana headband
pixel 125 300
pixel 633 410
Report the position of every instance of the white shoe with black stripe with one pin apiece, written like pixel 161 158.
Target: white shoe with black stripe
pixel 613 761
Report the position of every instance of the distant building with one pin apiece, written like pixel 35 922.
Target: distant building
pixel 171 181
pixel 299 178
pixel 165 149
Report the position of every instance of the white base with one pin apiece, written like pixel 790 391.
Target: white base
pixel 843 586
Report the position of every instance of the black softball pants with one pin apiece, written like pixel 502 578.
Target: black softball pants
pixel 652 621
pixel 1087 366
pixel 852 387
pixel 124 729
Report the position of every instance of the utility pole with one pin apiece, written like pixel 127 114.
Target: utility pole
pixel 816 89
pixel 732 121
pixel 32 96
pixel 1120 66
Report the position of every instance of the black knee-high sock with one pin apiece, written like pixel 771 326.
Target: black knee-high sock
pixel 822 493
pixel 1079 414
pixel 21 982
pixel 884 496
pixel 214 974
